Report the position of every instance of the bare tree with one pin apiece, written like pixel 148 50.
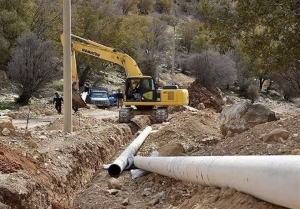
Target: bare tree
pixel 289 81
pixel 211 69
pixel 32 66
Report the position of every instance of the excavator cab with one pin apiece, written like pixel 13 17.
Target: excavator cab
pixel 140 89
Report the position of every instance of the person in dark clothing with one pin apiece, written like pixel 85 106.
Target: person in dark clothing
pixel 137 87
pixel 57 100
pixel 86 87
pixel 120 97
pixel 136 91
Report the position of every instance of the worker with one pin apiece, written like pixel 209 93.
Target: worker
pixel 86 87
pixel 136 91
pixel 137 87
pixel 120 97
pixel 57 100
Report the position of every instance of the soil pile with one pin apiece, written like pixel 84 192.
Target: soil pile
pixel 210 98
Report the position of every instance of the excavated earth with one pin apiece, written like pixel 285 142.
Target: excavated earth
pixel 43 167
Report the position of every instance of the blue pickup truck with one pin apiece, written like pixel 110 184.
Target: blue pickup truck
pixel 98 97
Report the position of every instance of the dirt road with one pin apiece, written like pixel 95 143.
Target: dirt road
pixel 44 120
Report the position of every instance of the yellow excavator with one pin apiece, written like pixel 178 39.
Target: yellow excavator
pixel 142 95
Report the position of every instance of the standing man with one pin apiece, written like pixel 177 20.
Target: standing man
pixel 57 100
pixel 120 97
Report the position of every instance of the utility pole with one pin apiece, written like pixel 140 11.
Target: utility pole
pixel 173 57
pixel 67 66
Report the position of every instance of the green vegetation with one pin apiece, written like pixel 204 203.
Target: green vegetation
pixel 9 105
pixel 57 85
pixel 260 37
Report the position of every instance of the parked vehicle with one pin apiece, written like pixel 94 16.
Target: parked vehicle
pixel 98 97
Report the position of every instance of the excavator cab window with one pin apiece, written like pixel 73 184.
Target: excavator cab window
pixel 141 89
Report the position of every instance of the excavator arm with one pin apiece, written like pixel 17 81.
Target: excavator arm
pixel 106 53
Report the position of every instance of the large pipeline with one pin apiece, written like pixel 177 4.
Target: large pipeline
pixel 116 168
pixel 275 179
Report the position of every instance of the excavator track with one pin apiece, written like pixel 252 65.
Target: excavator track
pixel 126 114
pixel 158 115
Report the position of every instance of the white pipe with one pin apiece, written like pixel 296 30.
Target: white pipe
pixel 190 108
pixel 116 168
pixel 67 66
pixel 275 179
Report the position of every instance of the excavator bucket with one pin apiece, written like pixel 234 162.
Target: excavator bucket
pixel 77 101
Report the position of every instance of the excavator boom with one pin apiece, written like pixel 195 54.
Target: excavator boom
pixel 106 53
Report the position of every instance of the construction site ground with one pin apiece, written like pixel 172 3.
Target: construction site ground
pixel 51 168
pixel 41 166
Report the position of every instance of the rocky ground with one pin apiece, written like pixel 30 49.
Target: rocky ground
pixel 43 167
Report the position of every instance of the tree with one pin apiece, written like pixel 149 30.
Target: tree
pixel 267 30
pixel 32 66
pixel 193 37
pixel 46 19
pixel 288 81
pixel 128 6
pixel 90 20
pixel 15 17
pixel 153 47
pixel 212 69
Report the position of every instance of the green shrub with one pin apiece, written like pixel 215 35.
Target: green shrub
pixel 58 85
pixel 10 105
pixel 163 6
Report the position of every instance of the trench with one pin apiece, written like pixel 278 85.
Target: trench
pixel 83 171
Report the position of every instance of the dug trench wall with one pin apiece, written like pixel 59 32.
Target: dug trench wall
pixel 45 167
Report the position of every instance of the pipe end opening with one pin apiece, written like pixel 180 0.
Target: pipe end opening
pixel 114 170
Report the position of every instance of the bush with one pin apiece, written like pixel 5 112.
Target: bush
pixel 211 69
pixel 58 85
pixel 9 105
pixel 288 82
pixel 253 93
pixel 163 6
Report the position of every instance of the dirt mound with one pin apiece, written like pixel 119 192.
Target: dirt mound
pixel 251 143
pixel 10 162
pixel 180 79
pixel 210 98
pixel 183 128
pixel 32 111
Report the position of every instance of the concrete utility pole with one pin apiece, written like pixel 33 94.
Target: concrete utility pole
pixel 67 66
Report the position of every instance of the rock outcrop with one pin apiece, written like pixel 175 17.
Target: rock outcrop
pixel 242 116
